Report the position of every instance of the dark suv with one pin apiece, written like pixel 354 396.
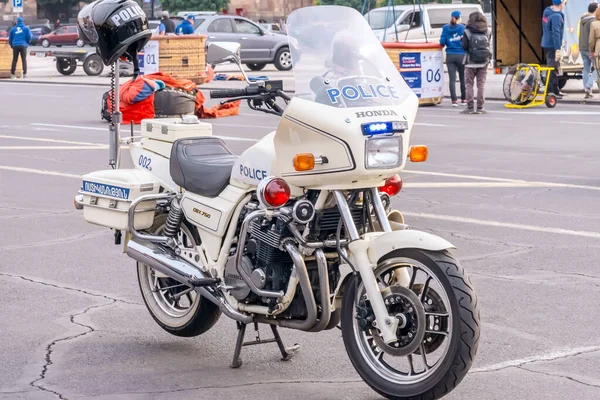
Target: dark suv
pixel 259 47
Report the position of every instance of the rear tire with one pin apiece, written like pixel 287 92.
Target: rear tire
pixel 200 316
pixel 551 101
pixel 256 67
pixel 463 336
pixel 45 43
pixel 93 65
pixel 283 59
pixel 66 66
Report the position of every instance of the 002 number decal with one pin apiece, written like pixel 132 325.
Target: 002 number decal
pixel 145 162
pixel 433 76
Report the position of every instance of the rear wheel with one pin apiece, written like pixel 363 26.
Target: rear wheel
pixel 66 66
pixel 256 67
pixel 45 43
pixel 283 59
pixel 79 43
pixel 176 307
pixel 551 101
pixel 438 327
pixel 93 65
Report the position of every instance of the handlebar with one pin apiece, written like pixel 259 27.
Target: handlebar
pixel 227 93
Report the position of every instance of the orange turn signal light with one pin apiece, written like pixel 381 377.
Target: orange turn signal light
pixel 304 162
pixel 418 153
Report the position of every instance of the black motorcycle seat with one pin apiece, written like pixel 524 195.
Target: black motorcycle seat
pixel 201 165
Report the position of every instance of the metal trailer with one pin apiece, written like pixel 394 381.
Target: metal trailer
pixel 67 61
pixel 517 35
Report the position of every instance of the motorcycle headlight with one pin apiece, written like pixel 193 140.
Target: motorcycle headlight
pixel 383 153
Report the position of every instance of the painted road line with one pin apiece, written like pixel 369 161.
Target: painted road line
pixel 38 171
pixel 87 128
pixel 489 178
pixel 52 148
pixel 533 228
pixel 578 123
pixel 92 128
pixel 36 95
pixel 427 124
pixel 435 185
pixel 35 139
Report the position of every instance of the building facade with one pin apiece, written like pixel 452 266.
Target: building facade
pixel 269 10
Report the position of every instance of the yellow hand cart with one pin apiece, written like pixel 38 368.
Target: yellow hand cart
pixel 526 85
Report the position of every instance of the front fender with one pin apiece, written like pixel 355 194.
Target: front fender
pixel 404 239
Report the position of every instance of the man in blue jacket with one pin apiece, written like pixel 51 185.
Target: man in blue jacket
pixel 186 27
pixel 18 39
pixel 553 27
pixel 451 37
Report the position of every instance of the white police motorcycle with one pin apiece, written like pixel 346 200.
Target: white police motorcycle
pixel 298 232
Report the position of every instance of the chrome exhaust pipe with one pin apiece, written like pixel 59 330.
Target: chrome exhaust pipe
pixel 164 260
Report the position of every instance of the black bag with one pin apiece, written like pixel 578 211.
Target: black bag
pixel 479 47
pixel 171 102
pixel 105 111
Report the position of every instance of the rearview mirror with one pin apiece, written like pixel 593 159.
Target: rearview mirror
pixel 222 52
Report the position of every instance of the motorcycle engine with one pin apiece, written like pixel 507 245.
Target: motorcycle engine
pixel 268 266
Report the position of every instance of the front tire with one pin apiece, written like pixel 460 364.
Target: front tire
pixel 192 314
pixel 458 329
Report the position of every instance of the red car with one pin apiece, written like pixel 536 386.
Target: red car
pixel 65 35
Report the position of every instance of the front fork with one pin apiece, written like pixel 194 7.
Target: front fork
pixel 386 324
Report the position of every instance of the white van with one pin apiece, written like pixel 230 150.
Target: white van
pixel 405 21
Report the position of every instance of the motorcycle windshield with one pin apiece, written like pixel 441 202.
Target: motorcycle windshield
pixel 338 60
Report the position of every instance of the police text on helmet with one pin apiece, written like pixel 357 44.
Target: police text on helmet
pixel 127 14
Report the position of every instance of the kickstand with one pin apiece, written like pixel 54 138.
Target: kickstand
pixel 286 352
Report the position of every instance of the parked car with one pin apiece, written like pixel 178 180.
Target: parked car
pixel 63 36
pixel 406 21
pixel 37 31
pixel 275 28
pixel 259 47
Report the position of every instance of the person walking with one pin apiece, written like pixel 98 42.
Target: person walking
pixel 186 27
pixel 476 43
pixel 553 26
pixel 18 39
pixel 451 38
pixel 166 24
pixel 584 47
pixel 595 42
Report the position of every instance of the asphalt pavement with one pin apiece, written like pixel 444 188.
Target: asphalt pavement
pixel 516 192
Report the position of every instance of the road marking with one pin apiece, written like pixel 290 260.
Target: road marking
pixel 237 138
pixel 245 126
pixel 29 94
pixel 38 171
pixel 426 124
pixel 554 355
pixel 49 140
pixel 433 185
pixel 89 128
pixel 534 228
pixel 520 181
pixel 52 147
pixel 578 123
pixel 520 112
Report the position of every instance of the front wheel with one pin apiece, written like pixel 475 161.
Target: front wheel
pixel 176 307
pixel 438 326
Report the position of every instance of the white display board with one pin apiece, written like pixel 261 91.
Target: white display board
pixel 423 72
pixel 151 57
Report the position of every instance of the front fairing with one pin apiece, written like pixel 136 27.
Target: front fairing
pixel 344 80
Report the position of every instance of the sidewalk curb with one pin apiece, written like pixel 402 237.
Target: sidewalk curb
pixel 212 87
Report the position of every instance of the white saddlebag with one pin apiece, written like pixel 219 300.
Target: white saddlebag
pixel 108 194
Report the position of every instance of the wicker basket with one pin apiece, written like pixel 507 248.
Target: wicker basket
pixel 395 49
pixel 6 55
pixel 183 56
